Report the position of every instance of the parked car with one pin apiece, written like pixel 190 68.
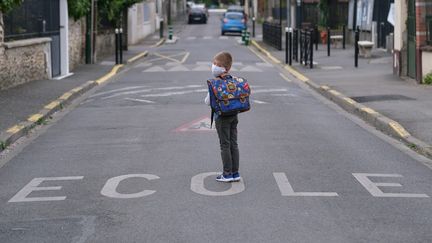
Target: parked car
pixel 202 5
pixel 197 15
pixel 233 22
pixel 238 9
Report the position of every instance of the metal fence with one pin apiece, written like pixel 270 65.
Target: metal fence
pixel 34 18
pixel 272 35
pixel 307 39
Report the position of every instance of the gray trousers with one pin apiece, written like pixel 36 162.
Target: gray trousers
pixel 227 131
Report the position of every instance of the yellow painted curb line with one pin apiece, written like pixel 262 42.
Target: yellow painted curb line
pixel 52 105
pixel 133 59
pixel 35 117
pixel 159 43
pixel 296 73
pixel 399 129
pixel 349 100
pixel 109 75
pixel 265 52
pixel 66 95
pixel 14 129
pixel 369 110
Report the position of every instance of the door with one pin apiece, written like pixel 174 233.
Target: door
pixel 411 24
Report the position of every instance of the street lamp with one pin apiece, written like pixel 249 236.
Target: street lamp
pixel 299 2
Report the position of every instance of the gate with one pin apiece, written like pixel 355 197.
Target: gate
pixel 36 18
pixel 272 35
pixel 411 24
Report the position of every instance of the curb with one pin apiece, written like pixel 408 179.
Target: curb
pixel 374 118
pixel 21 129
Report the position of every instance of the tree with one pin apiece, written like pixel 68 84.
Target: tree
pixel 113 9
pixel 324 11
pixel 79 8
pixel 8 5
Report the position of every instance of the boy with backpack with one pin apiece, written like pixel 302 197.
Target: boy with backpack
pixel 227 97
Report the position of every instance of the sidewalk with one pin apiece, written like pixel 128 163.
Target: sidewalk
pixel 372 84
pixel 18 103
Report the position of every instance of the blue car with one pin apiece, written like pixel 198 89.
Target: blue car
pixel 233 22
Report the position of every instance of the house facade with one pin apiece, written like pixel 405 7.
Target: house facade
pixel 413 38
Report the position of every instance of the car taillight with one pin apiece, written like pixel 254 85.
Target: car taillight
pixel 225 20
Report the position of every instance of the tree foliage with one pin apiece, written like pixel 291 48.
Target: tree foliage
pixel 79 8
pixel 323 6
pixel 113 9
pixel 8 5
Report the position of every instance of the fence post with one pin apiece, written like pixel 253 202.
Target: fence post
pixel 328 41
pixel 312 35
pixel 161 29
pixel 295 48
pixel 253 27
pixel 343 36
pixel 301 47
pixel 290 46
pixel 286 45
pixel 316 37
pixel 121 45
pixel 357 38
pixel 116 46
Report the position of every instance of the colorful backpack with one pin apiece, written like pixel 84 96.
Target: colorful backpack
pixel 229 95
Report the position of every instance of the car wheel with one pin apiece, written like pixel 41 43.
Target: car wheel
pixel 223 33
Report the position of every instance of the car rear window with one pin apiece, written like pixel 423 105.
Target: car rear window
pixel 234 16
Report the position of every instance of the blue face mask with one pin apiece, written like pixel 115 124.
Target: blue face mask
pixel 217 71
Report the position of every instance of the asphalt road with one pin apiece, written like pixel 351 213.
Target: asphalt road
pixel 136 161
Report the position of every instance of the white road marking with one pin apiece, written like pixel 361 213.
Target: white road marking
pixel 143 64
pixel 287 190
pixel 264 64
pixel 197 186
pixel 268 90
pixel 201 68
pixel 285 95
pixel 250 69
pixel 110 187
pixel 204 63
pixel 154 69
pixel 194 86
pixel 207 37
pixel 175 93
pixel 223 37
pixel 141 100
pixel 33 185
pixel 191 38
pixel 373 189
pixel 259 102
pixel 141 91
pixel 285 77
pixel 185 57
pixel 116 90
pixel 179 68
pixel 237 64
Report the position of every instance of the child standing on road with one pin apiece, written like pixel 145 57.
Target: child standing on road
pixel 226 125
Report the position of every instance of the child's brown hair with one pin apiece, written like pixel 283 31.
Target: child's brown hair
pixel 224 58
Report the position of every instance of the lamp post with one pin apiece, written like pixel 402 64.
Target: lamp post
pixel 298 14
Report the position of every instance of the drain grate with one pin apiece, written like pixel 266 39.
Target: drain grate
pixel 373 98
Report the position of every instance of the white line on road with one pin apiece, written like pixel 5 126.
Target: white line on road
pixel 208 37
pixel 259 102
pixel 176 93
pixel 268 90
pixel 116 90
pixel 140 100
pixel 285 77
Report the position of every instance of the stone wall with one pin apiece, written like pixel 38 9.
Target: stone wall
pixel 76 42
pixel 23 61
pixel 105 44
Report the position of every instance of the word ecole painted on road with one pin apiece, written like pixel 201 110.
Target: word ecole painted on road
pixel 109 190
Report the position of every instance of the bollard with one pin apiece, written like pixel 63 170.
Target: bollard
pixel 161 29
pixel 116 46
pixel 170 32
pixel 295 45
pixel 286 45
pixel 246 42
pixel 311 36
pixel 290 46
pixel 253 27
pixel 316 37
pixel 343 36
pixel 357 38
pixel 328 41
pixel 243 35
pixel 121 45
